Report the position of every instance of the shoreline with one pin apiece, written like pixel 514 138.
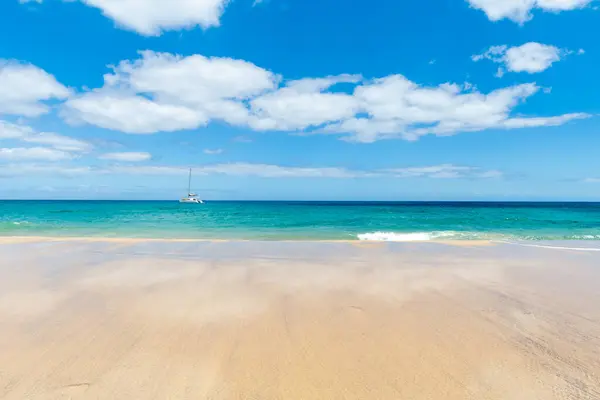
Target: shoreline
pixel 548 244
pixel 356 243
pixel 154 239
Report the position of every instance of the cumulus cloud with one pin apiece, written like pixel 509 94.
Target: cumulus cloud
pixel 152 17
pixel 531 57
pixel 520 11
pixel 26 134
pixel 164 92
pixel 33 153
pixel 303 103
pixel 130 113
pixel 126 156
pixel 398 107
pixel 193 79
pixel 25 89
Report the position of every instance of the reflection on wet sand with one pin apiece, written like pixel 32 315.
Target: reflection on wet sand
pixel 258 320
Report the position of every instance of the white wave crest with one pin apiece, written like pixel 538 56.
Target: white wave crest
pixel 399 237
pixel 585 237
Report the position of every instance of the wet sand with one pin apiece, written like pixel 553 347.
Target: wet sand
pixel 123 319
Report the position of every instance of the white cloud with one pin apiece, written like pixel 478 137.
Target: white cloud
pixel 591 180
pixel 24 169
pixel 194 79
pixel 152 17
pixel 531 57
pixel 24 89
pixel 163 92
pixel 520 10
pixel 213 151
pixel 367 130
pixel 233 169
pixel 33 153
pixel 303 103
pixel 245 169
pixel 513 123
pixel 170 93
pixel 127 156
pixel 130 113
pixel 494 53
pixel 276 171
pixel 27 134
pixel 58 142
pixel 397 107
pixel 446 171
pixel 14 131
pixel 149 170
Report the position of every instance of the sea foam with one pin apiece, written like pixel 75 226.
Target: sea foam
pixel 403 237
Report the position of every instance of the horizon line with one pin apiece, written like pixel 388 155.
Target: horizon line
pixel 316 201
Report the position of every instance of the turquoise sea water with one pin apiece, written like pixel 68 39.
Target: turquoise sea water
pixel 302 220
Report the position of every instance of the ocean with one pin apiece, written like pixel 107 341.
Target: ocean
pixel 384 221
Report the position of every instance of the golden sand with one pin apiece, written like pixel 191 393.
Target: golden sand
pixel 241 320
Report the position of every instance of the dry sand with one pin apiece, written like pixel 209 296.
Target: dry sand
pixel 250 320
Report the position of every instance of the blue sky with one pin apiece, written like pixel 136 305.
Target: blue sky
pixel 290 99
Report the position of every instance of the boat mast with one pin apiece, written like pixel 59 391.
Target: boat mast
pixel 190 183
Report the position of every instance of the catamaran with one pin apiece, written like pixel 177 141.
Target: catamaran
pixel 191 197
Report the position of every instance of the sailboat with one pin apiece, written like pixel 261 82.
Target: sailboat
pixel 191 197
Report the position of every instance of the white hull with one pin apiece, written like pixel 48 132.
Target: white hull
pixel 191 200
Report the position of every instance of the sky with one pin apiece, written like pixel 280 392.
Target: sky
pixel 300 100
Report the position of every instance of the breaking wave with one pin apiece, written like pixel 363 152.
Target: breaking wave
pixel 455 235
pixel 405 237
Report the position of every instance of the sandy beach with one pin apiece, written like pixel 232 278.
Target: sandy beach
pixel 137 319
